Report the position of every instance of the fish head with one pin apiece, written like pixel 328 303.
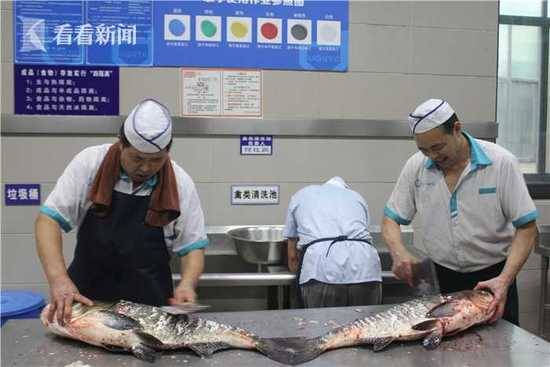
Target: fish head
pixel 78 312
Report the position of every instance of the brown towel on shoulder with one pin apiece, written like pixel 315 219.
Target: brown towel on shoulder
pixel 164 206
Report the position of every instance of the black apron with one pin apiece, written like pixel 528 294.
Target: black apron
pixel 303 254
pixel 119 257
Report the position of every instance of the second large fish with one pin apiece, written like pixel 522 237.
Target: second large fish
pixel 430 318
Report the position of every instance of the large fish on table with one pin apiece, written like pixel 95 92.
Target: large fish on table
pixel 145 330
pixel 429 318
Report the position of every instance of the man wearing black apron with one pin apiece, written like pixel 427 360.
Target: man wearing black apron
pixel 329 247
pixel 131 203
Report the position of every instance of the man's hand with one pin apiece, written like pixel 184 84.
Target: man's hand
pixel 62 294
pixel 402 267
pixel 183 294
pixel 499 287
pixel 293 263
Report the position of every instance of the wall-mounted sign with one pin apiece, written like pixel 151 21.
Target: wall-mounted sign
pixel 22 194
pixel 83 32
pixel 216 92
pixel 254 194
pixel 66 90
pixel 256 144
pixel 257 34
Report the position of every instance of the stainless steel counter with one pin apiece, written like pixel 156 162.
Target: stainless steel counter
pixel 26 343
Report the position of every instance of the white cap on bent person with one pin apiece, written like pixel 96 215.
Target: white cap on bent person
pixel 338 181
pixel 429 115
pixel 148 128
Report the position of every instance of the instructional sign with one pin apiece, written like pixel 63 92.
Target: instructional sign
pixel 256 144
pixel 257 34
pixel 254 195
pixel 214 92
pixel 66 90
pixel 21 194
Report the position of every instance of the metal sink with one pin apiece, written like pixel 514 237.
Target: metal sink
pixel 263 245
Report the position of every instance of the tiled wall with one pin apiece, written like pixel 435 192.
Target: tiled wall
pixel 400 54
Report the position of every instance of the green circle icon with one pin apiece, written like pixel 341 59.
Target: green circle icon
pixel 208 28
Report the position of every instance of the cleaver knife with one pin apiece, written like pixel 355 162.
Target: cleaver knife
pixel 184 308
pixel 424 278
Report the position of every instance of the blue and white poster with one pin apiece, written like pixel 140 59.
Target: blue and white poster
pixel 270 34
pixel 257 34
pixel 41 32
pixel 83 32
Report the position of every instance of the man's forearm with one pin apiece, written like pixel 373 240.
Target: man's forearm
pixel 49 245
pixel 522 245
pixel 391 234
pixel 192 266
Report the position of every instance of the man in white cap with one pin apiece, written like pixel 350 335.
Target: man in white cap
pixel 330 247
pixel 476 219
pixel 133 206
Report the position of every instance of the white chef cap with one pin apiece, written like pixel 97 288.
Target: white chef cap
pixel 429 115
pixel 338 181
pixel 148 128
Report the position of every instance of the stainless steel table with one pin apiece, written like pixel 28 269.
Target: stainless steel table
pixel 26 343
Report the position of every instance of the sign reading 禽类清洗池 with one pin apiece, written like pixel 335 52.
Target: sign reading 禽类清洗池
pixel 254 194
pixel 256 144
pixel 259 34
pixel 21 194
pixel 66 90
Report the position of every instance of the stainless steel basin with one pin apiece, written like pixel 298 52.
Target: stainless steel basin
pixel 260 244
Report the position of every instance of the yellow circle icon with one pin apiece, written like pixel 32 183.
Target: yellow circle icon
pixel 239 29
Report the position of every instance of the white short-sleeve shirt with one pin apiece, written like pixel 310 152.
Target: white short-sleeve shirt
pixel 68 202
pixel 472 227
pixel 321 211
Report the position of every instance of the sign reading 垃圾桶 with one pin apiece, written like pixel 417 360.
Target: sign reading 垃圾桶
pixel 21 194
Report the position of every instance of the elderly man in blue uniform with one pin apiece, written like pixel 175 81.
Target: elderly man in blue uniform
pixel 474 213
pixel 132 206
pixel 330 247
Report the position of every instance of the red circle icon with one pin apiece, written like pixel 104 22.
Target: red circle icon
pixel 269 30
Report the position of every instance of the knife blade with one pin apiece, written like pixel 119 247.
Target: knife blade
pixel 424 278
pixel 184 308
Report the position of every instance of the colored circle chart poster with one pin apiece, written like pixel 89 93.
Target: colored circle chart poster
pixel 261 34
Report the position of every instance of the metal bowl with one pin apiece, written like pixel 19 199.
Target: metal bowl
pixel 260 244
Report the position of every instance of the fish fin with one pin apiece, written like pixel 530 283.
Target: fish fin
pixel 118 321
pixel 433 339
pixel 381 343
pixel 145 353
pixel 207 349
pixel 290 351
pixel 426 325
pixel 148 339
pixel 445 309
pixel 114 348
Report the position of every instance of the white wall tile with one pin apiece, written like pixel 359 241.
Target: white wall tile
pixel 455 14
pixel 162 84
pixel 7 101
pixel 454 52
pixel 367 96
pixel 380 12
pixel 379 48
pixel 20 262
pixel 474 99
pixel 194 155
pixel 7 35
pixel 299 99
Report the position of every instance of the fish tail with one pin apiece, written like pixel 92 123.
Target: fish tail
pixel 290 351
